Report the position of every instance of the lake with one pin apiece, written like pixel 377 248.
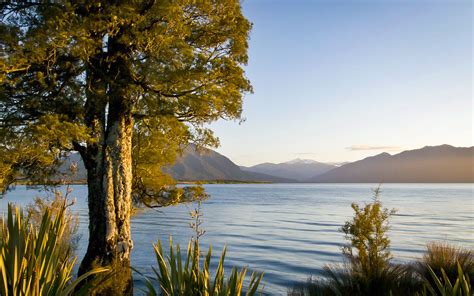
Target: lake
pixel 290 231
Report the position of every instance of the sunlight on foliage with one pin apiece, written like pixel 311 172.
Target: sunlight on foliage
pixel 369 246
pixel 177 280
pixel 31 260
pixel 36 210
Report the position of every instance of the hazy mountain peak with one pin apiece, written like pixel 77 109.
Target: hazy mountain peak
pixel 299 160
pixel 296 169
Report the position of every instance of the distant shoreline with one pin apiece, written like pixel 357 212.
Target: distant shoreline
pixel 83 182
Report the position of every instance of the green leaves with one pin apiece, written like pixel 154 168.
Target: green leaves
pixel 36 150
pixel 31 261
pixel 181 67
pixel 369 245
pixel 178 280
pixel 444 287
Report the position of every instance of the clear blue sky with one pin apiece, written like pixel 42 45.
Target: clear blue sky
pixel 342 80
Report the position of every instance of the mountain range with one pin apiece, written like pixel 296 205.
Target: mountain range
pixel 208 165
pixel 298 169
pixel 430 164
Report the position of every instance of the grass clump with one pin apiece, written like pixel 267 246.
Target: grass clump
pixel 176 279
pixel 441 256
pixel 31 259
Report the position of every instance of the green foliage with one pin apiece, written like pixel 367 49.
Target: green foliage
pixel 443 270
pixel 368 270
pixel 177 280
pixel 31 260
pixel 445 287
pixel 344 280
pixel 168 67
pixel 369 246
pixel 36 210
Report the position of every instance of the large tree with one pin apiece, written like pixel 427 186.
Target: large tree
pixel 127 84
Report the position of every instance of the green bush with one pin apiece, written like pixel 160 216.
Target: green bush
pixel 443 270
pixel 31 259
pixel 367 270
pixel 368 249
pixel 174 279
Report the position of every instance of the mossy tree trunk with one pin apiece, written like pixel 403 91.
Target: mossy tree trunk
pixel 108 160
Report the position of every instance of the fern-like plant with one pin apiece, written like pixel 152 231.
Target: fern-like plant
pixel 31 259
pixel 176 279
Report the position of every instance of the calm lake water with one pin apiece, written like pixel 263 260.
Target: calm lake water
pixel 290 231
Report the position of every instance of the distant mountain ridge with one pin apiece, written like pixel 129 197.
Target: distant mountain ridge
pixel 193 165
pixel 430 164
pixel 208 165
pixel 297 169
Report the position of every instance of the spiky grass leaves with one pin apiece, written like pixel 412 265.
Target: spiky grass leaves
pixel 176 279
pixel 31 260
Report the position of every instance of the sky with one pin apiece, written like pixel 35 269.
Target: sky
pixel 341 80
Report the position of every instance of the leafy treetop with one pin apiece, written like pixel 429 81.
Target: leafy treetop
pixel 176 64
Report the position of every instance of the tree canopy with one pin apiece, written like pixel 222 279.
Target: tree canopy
pixel 66 65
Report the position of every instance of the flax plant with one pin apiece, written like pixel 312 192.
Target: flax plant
pixel 177 280
pixel 445 287
pixel 31 259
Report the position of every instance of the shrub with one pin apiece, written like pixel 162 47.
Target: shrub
pixel 367 270
pixel 31 261
pixel 368 249
pixel 190 280
pixel 443 256
pixel 36 210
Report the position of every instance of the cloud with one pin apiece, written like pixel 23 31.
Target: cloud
pixel 370 147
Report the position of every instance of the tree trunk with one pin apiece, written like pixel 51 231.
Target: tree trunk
pixel 108 160
pixel 110 189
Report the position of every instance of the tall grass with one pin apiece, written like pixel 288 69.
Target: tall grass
pixel 31 259
pixel 443 256
pixel 176 279
pixel 392 279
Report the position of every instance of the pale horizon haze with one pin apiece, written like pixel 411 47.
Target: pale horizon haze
pixel 342 80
